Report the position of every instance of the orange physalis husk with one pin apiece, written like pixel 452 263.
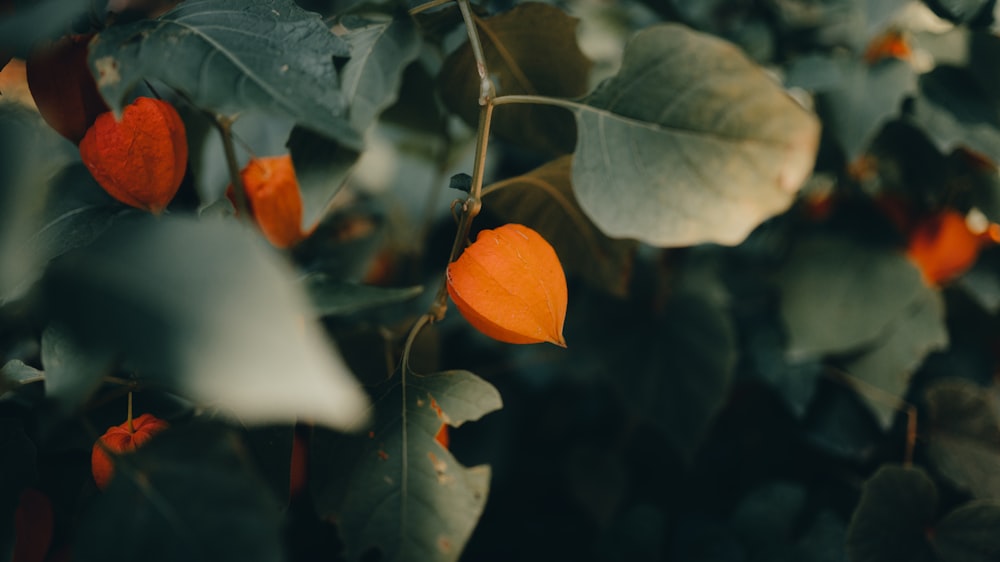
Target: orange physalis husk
pixel 510 285
pixel 139 160
pixel 63 87
pixel 122 439
pixel 274 199
pixel 943 247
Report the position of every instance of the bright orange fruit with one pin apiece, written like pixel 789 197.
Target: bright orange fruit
pixel 510 285
pixel 274 199
pixel 122 439
pixel 141 159
pixel 889 45
pixel 943 247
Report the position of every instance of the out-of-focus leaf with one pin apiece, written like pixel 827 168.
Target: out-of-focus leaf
pixel 531 49
pixel 72 373
pixel 956 111
pixel 14 373
pixel 837 23
pixel 856 98
pixel 543 199
pixel 838 295
pixel 690 142
pixel 959 11
pixel 40 21
pixel 396 490
pixel 332 297
pixel 919 330
pixel 889 524
pixel 206 309
pixel 380 50
pixel 964 437
pixel 232 57
pixel 190 494
pixel 968 534
pixel 270 448
pixel 30 156
pixel 322 166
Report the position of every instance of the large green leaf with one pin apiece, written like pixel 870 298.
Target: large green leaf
pixel 189 494
pixel 690 142
pixel 397 490
pixel 956 110
pixel 964 437
pixel 919 330
pixel 232 57
pixel 531 49
pixel 969 533
pixel 208 311
pixel 897 506
pixel 838 295
pixel 38 21
pixel 543 199
pixel 380 50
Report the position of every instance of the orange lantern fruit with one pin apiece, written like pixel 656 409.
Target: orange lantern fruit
pixel 139 160
pixel 510 285
pixel 63 87
pixel 274 199
pixel 121 439
pixel 943 247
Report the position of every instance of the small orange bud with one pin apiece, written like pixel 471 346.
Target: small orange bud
pixel 889 45
pixel 141 159
pixel 63 87
pixel 943 247
pixel 274 199
pixel 122 439
pixel 510 285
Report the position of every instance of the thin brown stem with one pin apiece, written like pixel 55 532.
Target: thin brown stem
pixel 486 88
pixel 428 6
pixel 131 427
pixel 225 126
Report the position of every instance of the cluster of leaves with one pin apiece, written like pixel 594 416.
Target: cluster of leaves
pixel 766 357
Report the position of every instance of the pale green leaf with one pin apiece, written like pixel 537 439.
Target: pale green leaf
pixel 232 57
pixel 690 142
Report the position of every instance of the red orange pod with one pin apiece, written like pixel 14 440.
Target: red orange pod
pixel 274 199
pixel 510 285
pixel 139 160
pixel 63 86
pixel 943 247
pixel 122 439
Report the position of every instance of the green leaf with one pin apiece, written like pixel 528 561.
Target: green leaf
pixel 690 142
pixel 332 297
pixel 72 373
pixel 531 49
pixel 890 522
pixel 856 98
pixel 231 57
pixel 40 21
pixel 543 199
pixel 959 11
pixel 397 490
pixel 31 155
pixel 15 373
pixel 969 533
pixel 919 330
pixel 955 111
pixel 189 494
pixel 838 295
pixel 380 50
pixel 322 167
pixel 208 310
pixel 964 437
